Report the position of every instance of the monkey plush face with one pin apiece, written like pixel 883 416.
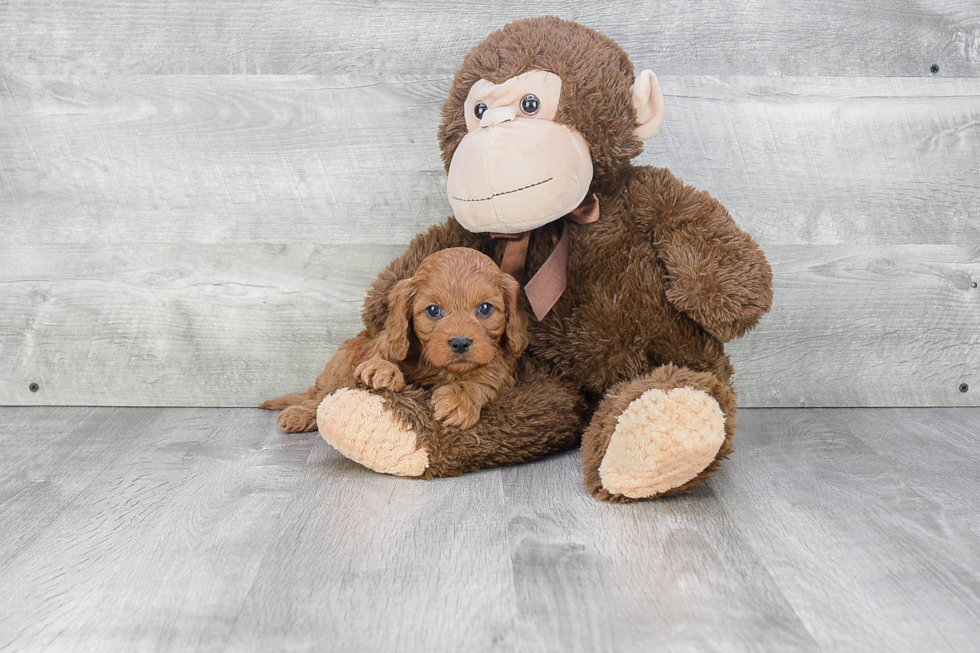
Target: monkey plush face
pixel 517 168
pixel 540 113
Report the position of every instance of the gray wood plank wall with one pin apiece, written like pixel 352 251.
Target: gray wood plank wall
pixel 194 197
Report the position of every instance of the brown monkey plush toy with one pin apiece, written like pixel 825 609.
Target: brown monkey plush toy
pixel 636 280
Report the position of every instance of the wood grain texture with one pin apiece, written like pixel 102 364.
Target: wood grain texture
pixel 181 240
pixel 795 37
pixel 155 524
pixel 341 159
pixel 938 456
pixel 671 575
pixel 207 529
pixel 234 324
pixel 831 161
pixel 859 547
pixel 366 562
pixel 865 326
pixel 41 483
pixel 220 159
pixel 175 324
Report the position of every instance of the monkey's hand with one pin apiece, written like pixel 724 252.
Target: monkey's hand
pixel 725 287
pixel 453 406
pixel 716 273
pixel 378 373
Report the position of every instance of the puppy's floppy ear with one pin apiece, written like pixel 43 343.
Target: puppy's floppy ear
pixel 394 346
pixel 515 331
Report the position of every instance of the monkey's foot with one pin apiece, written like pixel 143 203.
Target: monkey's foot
pixel 661 442
pixel 359 425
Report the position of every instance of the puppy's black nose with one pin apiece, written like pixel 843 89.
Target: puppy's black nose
pixel 460 345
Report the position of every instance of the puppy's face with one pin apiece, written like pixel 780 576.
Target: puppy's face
pixel 463 310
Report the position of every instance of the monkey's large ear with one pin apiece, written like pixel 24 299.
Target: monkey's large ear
pixel 649 104
pixel 394 340
pixel 515 330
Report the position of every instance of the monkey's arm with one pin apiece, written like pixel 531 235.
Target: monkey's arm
pixel 716 272
pixel 436 238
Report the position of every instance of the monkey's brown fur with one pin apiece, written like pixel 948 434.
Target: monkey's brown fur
pixel 655 287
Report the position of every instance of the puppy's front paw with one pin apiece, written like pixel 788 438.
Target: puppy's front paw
pixel 378 373
pixel 453 407
pixel 297 419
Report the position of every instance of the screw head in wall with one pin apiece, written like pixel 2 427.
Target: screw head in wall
pixel 964 387
pixel 33 387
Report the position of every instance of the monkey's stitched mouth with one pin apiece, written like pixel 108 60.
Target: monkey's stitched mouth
pixel 506 192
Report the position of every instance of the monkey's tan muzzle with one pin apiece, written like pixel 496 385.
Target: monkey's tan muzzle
pixel 518 174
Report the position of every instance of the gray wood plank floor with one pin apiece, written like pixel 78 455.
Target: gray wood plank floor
pixel 206 529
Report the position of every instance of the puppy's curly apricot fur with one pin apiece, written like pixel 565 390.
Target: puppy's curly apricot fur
pixel 457 325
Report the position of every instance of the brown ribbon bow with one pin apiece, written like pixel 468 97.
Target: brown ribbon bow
pixel 549 282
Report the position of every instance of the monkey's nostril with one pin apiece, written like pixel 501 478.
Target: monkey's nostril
pixel 493 117
pixel 460 344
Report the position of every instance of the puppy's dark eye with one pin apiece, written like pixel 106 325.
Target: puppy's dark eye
pixel 433 311
pixel 484 309
pixel 479 110
pixel 530 104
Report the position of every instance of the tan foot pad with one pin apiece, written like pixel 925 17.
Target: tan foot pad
pixel 359 425
pixel 662 440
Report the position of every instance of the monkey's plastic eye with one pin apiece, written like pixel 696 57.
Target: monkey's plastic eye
pixel 479 110
pixel 530 104
pixel 433 311
pixel 484 309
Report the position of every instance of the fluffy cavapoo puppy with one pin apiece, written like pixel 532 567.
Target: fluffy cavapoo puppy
pixel 457 325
